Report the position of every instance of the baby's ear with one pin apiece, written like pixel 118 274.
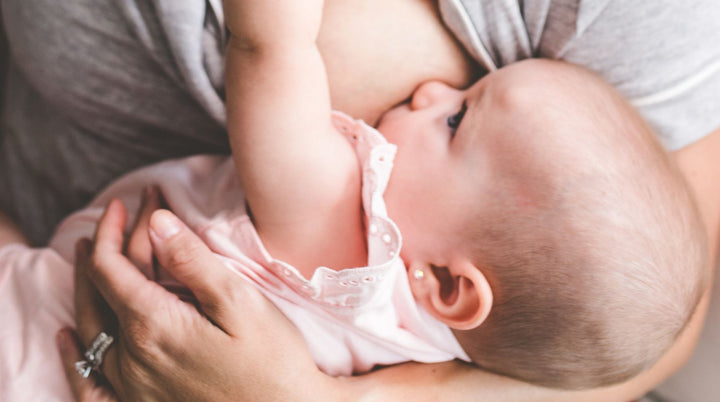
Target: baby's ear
pixel 458 295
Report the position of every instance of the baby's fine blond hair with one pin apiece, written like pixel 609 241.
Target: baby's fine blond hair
pixel 595 277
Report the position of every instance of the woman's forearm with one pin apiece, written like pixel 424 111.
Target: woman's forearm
pixel 457 381
pixel 699 163
pixel 444 381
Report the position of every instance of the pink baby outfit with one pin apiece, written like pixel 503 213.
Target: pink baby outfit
pixel 352 319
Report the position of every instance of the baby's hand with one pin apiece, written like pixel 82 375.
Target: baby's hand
pixel 271 22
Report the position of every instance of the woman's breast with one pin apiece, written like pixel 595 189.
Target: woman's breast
pixel 377 51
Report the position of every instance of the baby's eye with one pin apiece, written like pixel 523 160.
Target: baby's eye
pixel 454 121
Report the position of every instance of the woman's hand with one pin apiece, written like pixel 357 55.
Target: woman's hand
pixel 236 346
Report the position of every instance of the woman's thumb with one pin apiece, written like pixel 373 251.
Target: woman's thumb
pixel 189 260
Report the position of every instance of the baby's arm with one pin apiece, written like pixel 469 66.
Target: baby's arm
pixel 301 177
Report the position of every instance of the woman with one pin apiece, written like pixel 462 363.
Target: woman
pixel 404 20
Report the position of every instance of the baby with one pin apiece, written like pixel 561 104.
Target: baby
pixel 545 234
pixel 540 220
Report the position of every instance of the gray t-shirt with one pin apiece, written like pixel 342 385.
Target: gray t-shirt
pixel 99 87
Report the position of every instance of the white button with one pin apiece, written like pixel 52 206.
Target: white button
pixel 353 283
pixel 373 228
pixel 287 271
pixel 391 253
pixel 343 283
pixel 386 238
pixel 331 277
pixel 368 279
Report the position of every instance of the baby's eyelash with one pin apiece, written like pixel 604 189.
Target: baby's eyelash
pixel 454 121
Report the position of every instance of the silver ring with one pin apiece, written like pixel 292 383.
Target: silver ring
pixel 94 355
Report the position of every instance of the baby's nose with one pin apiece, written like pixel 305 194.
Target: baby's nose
pixel 430 92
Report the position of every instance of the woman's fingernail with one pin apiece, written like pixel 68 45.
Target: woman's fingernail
pixel 165 225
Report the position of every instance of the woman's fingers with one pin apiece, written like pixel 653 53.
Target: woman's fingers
pixel 164 349
pixel 93 388
pixel 138 248
pixel 92 313
pixel 109 237
pixel 192 263
pixel 121 284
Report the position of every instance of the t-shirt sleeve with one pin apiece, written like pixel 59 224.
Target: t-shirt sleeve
pixel 664 56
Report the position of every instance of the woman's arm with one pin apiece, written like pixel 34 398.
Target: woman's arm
pixel 701 168
pixel 454 381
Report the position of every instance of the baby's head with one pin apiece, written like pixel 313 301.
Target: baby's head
pixel 554 234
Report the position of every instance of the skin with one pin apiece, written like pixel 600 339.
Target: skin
pixel 158 361
pixel 374 39
pixel 150 357
pixel 278 101
pixel 404 53
pixel 302 181
pixel 425 382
